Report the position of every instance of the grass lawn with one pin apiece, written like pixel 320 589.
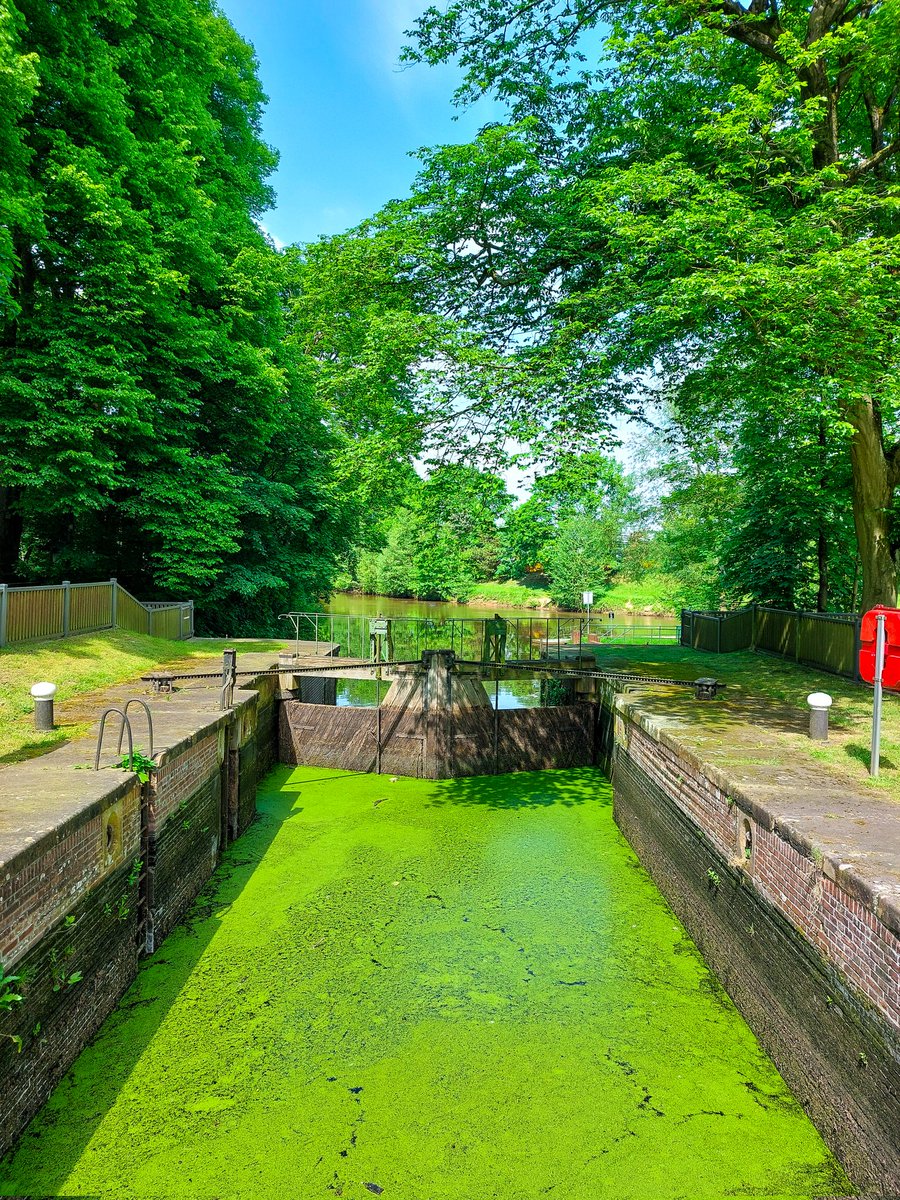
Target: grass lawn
pixel 786 685
pixel 511 594
pixel 648 596
pixel 80 666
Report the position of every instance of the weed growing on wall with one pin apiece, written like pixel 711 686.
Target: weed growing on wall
pixel 122 907
pixel 139 762
pixel 9 996
pixel 59 972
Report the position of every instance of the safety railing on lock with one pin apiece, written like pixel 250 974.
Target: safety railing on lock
pixel 529 638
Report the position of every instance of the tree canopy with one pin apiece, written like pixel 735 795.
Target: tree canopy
pixel 693 207
pixel 156 423
pixel 694 197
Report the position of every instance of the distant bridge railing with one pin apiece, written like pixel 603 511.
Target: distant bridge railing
pixel 829 641
pixel 43 612
pixel 526 637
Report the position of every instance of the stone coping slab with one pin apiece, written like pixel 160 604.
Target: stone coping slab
pixel 41 797
pixel 853 834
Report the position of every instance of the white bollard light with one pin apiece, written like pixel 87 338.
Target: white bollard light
pixel 43 694
pixel 819 704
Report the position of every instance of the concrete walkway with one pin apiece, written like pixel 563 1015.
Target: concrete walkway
pixel 42 794
pixel 734 742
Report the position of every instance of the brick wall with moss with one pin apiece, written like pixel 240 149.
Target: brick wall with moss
pixel 813 968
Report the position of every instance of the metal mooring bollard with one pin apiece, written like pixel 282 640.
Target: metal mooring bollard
pixel 43 694
pixel 819 704
pixel 706 688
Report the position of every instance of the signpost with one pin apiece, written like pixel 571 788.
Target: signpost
pixel 879 664
pixel 875 757
pixel 587 599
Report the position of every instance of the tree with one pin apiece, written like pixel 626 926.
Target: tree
pixel 713 204
pixel 150 406
pixel 789 540
pixel 583 556
pixel 443 539
pixel 591 485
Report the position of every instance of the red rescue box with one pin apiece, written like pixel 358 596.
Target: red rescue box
pixel 890 677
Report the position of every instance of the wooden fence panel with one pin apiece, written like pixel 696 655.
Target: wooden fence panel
pixel 166 623
pixel 34 613
pixel 29 614
pixel 131 614
pixel 827 642
pixel 737 631
pixel 776 631
pixel 705 632
pixel 687 628
pixel 90 607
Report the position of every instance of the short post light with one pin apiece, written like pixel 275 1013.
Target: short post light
pixel 43 694
pixel 819 704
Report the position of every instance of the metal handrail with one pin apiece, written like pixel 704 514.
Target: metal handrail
pixel 146 708
pixel 126 724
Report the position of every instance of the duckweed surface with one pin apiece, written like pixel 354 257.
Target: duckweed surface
pixel 426 991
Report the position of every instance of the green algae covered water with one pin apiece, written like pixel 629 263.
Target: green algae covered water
pixel 427 991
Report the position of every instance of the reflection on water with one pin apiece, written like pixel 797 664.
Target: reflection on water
pixel 511 693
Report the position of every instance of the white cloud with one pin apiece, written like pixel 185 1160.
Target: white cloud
pixel 389 21
pixel 276 241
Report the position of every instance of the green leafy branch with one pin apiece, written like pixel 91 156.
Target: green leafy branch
pixel 9 995
pixel 139 762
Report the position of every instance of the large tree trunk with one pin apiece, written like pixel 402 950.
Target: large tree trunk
pixel 822 539
pixel 873 491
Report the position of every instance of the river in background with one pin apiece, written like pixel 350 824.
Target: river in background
pixel 511 693
pixel 438 610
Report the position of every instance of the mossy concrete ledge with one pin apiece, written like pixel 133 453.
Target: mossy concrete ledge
pixel 97 867
pixel 788 879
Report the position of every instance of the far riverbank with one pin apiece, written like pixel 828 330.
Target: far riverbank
pixel 358 604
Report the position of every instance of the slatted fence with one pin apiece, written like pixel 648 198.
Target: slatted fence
pixel 31 614
pixel 828 641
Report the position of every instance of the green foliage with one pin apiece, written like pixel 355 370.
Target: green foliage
pixel 705 206
pixel 59 972
pixel 442 541
pixel 138 762
pixel 149 401
pixel 9 995
pixel 590 486
pixel 582 557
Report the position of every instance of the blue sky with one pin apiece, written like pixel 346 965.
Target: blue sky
pixel 341 113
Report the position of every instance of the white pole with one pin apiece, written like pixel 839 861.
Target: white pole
pixel 876 711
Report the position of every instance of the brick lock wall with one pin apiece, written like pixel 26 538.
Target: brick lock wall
pixel 67 906
pixel 185 828
pixel 41 884
pixel 804 965
pixel 266 725
pixel 41 1037
pixel 849 935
